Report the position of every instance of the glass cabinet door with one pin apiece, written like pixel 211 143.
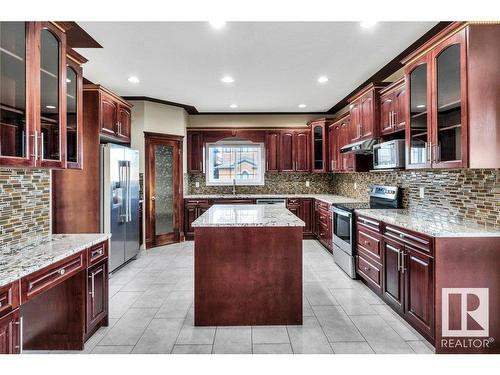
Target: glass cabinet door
pixel 448 142
pixel 13 106
pixel 318 143
pixel 52 96
pixel 418 136
pixel 73 131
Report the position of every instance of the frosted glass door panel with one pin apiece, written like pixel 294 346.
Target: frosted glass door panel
pixel 164 188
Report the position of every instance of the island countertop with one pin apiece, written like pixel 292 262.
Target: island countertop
pixel 247 215
pixel 15 264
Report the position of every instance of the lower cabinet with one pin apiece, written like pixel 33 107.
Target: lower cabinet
pixel 10 333
pixel 192 210
pixel 398 265
pixel 97 294
pixel 303 209
pixel 323 224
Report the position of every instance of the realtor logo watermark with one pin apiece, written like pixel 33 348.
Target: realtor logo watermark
pixel 465 317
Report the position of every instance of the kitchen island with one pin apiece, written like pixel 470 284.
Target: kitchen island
pixel 248 266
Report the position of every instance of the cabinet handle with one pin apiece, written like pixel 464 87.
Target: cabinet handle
pixel 394 118
pixel 92 289
pixel 21 334
pixel 390 119
pixel 97 252
pixel 367 243
pixel 403 269
pixel 35 145
pixel 41 146
pixel 62 271
pixel 367 268
pixel 429 152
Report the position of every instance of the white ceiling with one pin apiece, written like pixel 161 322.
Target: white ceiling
pixel 275 64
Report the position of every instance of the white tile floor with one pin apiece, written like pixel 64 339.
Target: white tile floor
pixel 151 311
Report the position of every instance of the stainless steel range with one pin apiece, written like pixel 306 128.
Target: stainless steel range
pixel 344 231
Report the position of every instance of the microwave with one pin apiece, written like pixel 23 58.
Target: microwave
pixel 389 155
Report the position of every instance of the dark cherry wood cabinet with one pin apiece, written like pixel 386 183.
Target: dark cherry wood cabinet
pixel 10 342
pixel 393 108
pixel 34 98
pixel 393 274
pixel 192 210
pixel 113 114
pixel 319 144
pixel 97 295
pixel 302 151
pixel 195 152
pixel 453 99
pixel 364 109
pixel 287 155
pixel 303 209
pixel 323 224
pixel 272 151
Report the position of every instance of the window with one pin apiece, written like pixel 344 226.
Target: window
pixel 238 161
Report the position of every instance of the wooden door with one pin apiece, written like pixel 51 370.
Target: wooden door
pixel 449 103
pixel 74 115
pixel 97 294
pixel 419 289
pixel 306 214
pixel 272 151
pixel 287 156
pixel 393 282
pixel 302 151
pixel 355 122
pixel 109 110
pixel 124 123
pixel 386 113
pixel 190 216
pixel 195 152
pixel 367 125
pixel 347 159
pixel 399 109
pixel 9 333
pixel 319 144
pixel 163 189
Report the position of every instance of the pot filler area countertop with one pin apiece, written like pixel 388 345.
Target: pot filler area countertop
pixel 427 223
pixel 247 215
pixel 18 263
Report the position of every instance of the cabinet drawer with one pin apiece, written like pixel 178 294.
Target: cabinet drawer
pixel 322 205
pixel 49 277
pixel 420 241
pixel 9 297
pixel 369 271
pixel 196 202
pixel 97 253
pixel 294 201
pixel 366 222
pixel 369 241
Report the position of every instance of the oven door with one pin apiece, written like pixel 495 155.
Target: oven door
pixel 342 229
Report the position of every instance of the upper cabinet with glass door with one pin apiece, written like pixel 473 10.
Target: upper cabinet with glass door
pixel 319 139
pixel 33 95
pixel 16 125
pixel 453 86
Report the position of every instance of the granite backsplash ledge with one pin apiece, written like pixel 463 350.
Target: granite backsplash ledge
pixel 464 195
pixel 275 183
pixel 24 206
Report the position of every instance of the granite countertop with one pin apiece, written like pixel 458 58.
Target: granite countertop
pixel 247 215
pixel 16 264
pixel 428 223
pixel 327 198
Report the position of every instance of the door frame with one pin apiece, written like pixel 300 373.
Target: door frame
pixel 149 140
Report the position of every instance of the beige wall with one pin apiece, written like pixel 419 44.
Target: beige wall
pixel 156 118
pixel 245 121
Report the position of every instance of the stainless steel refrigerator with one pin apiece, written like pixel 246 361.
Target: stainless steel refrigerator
pixel 120 202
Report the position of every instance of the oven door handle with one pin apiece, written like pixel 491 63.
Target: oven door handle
pixel 341 213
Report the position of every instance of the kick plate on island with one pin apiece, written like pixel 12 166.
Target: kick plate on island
pixel 248 266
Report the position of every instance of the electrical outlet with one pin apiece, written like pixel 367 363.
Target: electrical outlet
pixel 355 186
pixel 308 184
pixel 197 184
pixel 421 192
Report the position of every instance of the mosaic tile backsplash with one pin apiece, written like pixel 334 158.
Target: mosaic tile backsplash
pixel 462 196
pixel 275 183
pixel 24 207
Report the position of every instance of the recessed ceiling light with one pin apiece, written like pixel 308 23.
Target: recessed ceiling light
pixel 227 79
pixel 133 79
pixel 322 79
pixel 217 24
pixel 234 105
pixel 421 106
pixel 302 106
pixel 367 24
pixel 50 106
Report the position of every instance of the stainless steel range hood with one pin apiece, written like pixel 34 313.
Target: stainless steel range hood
pixel 361 147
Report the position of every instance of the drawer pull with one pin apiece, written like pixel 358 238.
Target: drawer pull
pixel 368 243
pixel 1 304
pixel 366 221
pixel 97 253
pixel 62 271
pixel 367 268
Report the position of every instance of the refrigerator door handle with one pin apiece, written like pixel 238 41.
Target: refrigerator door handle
pixel 122 171
pixel 129 197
